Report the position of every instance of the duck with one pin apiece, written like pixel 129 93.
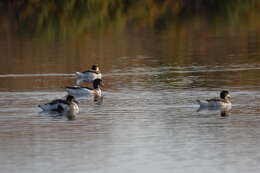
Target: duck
pixel 62 106
pixel 222 102
pixel 89 75
pixel 86 91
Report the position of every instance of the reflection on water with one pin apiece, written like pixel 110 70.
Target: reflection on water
pixel 154 69
pixel 70 19
pixel 223 111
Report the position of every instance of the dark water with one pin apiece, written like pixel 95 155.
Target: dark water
pixel 148 121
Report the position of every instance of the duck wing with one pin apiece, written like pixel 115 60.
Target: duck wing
pixel 58 101
pixel 90 71
pixel 77 87
pixel 78 91
pixel 217 100
pixel 88 76
pixel 58 105
pixel 214 100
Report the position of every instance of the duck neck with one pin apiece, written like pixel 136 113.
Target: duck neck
pixel 226 100
pixel 96 87
pixel 98 92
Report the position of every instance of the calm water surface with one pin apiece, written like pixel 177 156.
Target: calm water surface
pixel 148 120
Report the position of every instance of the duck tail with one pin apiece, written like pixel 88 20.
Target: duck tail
pixel 199 102
pixel 42 107
pixel 79 74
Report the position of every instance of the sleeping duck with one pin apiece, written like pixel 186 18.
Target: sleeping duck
pixel 89 75
pixel 223 101
pixel 85 91
pixel 61 106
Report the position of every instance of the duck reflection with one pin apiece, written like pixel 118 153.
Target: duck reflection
pixel 98 99
pixel 223 110
pixel 69 115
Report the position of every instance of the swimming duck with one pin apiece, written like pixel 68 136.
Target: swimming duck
pixel 89 75
pixel 61 106
pixel 83 91
pixel 223 101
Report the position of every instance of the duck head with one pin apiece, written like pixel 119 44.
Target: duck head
pixel 95 68
pixel 225 95
pixel 70 99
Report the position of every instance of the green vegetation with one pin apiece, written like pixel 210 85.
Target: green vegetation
pixel 57 19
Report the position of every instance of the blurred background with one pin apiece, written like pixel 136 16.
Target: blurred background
pixel 64 36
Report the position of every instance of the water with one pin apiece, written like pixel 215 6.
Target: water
pixel 148 120
pixel 145 124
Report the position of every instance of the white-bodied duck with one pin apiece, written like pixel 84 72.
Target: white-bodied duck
pixel 222 102
pixel 85 91
pixel 89 75
pixel 62 106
